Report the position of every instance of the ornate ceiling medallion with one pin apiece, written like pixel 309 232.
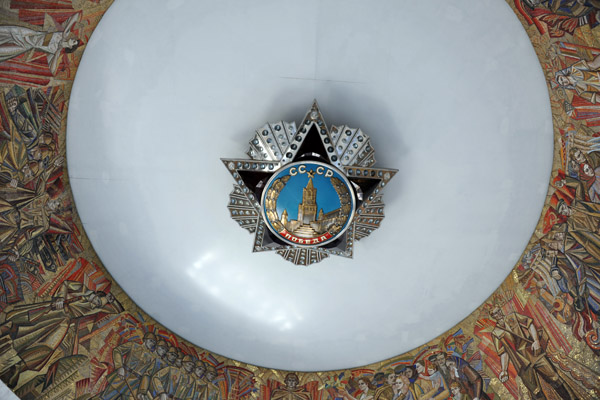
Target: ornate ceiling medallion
pixel 308 192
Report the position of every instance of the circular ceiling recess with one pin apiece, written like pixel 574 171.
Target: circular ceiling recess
pixel 450 93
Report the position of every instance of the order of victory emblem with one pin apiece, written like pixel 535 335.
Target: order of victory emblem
pixel 308 192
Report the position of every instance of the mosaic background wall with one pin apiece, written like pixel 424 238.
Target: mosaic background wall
pixel 68 331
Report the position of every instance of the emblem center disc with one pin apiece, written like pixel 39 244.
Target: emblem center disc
pixel 308 203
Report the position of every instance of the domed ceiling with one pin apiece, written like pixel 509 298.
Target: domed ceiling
pixel 481 282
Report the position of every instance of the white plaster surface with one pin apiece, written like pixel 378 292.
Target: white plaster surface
pixel 6 393
pixel 450 92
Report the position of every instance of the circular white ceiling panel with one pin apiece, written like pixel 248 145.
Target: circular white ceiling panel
pixel 451 94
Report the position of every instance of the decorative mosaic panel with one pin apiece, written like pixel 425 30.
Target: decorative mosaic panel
pixel 68 331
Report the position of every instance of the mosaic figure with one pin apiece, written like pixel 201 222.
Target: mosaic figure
pixel 187 378
pixel 570 8
pixel 291 390
pixel 132 363
pixel 212 390
pixel 560 16
pixel 36 116
pixel 439 361
pixel 581 240
pixel 365 388
pixel 518 341
pixel 422 382
pixel 32 333
pixel 583 77
pixel 16 40
pixel 466 378
pixel 458 393
pixel 24 217
pixel 386 391
pixel 403 390
pixel 439 389
pixel 199 386
pixel 173 381
pixel 412 381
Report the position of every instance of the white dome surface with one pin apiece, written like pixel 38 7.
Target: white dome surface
pixel 450 92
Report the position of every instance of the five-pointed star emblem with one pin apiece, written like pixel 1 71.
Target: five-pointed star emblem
pixel 274 146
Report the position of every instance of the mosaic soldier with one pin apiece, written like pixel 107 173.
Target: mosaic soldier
pixel 518 341
pixel 21 177
pixel 185 386
pixel 163 384
pixel 32 333
pixel 199 390
pixel 580 245
pixel 161 352
pixel 212 390
pixel 179 359
pixel 581 285
pixel 575 277
pixel 291 391
pixel 171 356
pixel 34 150
pixel 16 40
pixel 25 217
pixel 132 362
pixel 35 117
pixel 160 362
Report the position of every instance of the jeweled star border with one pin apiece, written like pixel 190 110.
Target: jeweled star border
pixel 278 144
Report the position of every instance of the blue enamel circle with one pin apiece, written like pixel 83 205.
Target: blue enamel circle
pixel 308 203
